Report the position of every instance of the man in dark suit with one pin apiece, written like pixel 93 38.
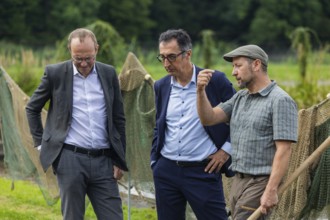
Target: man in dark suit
pixel 84 135
pixel 186 158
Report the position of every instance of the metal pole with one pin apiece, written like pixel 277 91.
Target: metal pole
pixel 129 197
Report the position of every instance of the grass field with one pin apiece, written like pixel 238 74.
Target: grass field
pixel 26 202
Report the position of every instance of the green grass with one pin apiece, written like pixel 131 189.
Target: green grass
pixel 27 202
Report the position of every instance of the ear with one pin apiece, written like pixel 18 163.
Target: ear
pixel 189 53
pixel 257 65
pixel 96 48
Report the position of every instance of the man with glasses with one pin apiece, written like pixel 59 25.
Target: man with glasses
pixel 84 135
pixel 187 158
pixel 263 124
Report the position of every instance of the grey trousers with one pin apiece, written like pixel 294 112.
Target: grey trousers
pixel 79 175
pixel 246 193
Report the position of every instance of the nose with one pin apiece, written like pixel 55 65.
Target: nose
pixel 166 63
pixel 234 72
pixel 84 63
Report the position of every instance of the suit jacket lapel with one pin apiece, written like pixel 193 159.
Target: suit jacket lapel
pixel 68 79
pixel 105 82
pixel 166 91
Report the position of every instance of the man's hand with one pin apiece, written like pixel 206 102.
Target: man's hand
pixel 268 201
pixel 217 160
pixel 204 78
pixel 117 173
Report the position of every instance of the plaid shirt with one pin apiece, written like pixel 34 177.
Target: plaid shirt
pixel 256 122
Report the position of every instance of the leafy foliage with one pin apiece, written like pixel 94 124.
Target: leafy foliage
pixel 129 17
pixel 276 19
pixel 308 93
pixel 267 23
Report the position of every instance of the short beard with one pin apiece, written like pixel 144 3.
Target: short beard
pixel 242 85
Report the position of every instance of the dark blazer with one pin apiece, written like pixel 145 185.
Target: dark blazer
pixel 218 90
pixel 57 87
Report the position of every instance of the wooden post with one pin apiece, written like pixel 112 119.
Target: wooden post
pixel 309 161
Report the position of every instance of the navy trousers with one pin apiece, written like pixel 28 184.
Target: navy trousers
pixel 176 185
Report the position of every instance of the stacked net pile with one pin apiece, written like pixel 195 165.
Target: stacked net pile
pixel 308 197
pixel 138 95
pixel 21 159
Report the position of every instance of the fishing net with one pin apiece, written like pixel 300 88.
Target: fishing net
pixel 21 159
pixel 308 197
pixel 137 90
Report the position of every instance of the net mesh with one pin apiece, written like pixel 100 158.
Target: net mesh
pixel 21 159
pixel 137 90
pixel 309 194
pixel 306 198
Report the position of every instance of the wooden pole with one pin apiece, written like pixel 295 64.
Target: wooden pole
pixel 309 161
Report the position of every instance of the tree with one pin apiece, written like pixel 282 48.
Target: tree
pixel 129 17
pixel 267 22
pixel 42 22
pixel 275 20
pixel 14 16
pixel 57 18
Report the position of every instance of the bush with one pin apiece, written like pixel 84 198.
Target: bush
pixel 308 93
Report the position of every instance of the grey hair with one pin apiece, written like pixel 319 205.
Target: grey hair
pixel 181 36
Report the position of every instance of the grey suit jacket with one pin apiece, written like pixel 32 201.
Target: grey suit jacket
pixel 57 87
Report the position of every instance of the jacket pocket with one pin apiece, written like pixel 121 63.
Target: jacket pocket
pixel 46 136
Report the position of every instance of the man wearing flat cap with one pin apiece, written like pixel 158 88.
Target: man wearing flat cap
pixel 263 123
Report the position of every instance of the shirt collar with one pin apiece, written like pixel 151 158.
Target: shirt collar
pixel 193 78
pixel 265 91
pixel 75 70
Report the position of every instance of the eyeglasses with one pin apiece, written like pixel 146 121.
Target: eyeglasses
pixel 80 60
pixel 170 57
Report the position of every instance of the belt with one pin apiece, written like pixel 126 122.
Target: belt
pixel 202 163
pixel 89 152
pixel 244 175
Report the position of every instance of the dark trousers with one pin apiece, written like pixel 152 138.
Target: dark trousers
pixel 176 185
pixel 79 175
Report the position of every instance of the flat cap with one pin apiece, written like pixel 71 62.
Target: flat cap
pixel 251 51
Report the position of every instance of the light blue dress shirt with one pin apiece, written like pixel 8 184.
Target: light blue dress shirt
pixel 185 136
pixel 89 118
